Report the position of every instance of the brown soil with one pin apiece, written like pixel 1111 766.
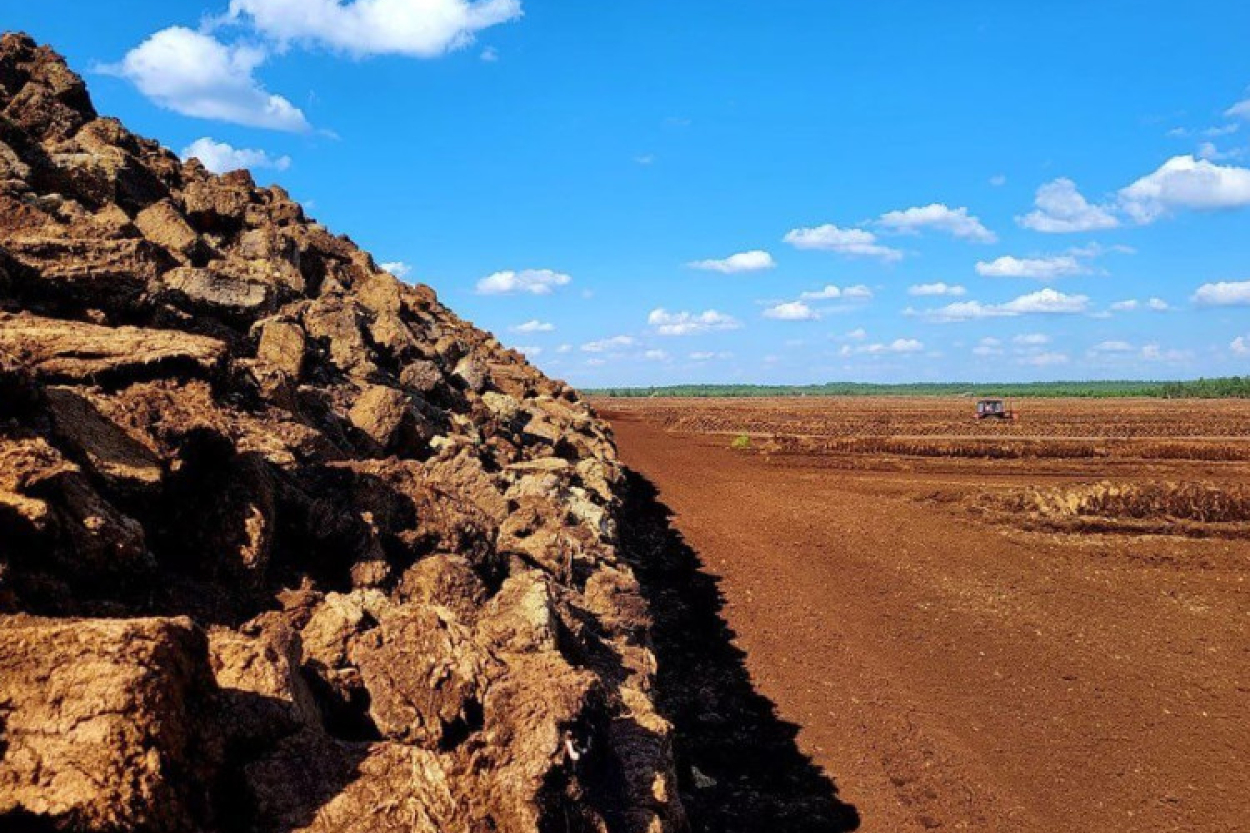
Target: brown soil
pixel 949 668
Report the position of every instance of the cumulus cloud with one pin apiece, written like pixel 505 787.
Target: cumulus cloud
pixel 1042 302
pixel 791 311
pixel 1240 110
pixel 1031 339
pixel 1184 182
pixel 705 356
pixel 1223 294
pixel 656 355
pixel 1060 208
pixel 899 346
pixel 939 288
pixel 1156 353
pixel 525 281
pixel 1112 347
pixel 534 326
pixel 752 261
pixel 1044 359
pixel 988 346
pixel 196 75
pixel 424 29
pixel 609 345
pixel 957 222
pixel 858 292
pixel 220 157
pixel 1042 268
pixel 397 268
pixel 1240 345
pixel 668 323
pixel 857 334
pixel 853 242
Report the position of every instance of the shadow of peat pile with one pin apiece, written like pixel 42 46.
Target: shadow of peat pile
pixel 739 768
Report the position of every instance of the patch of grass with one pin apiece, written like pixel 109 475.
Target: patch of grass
pixel 742 442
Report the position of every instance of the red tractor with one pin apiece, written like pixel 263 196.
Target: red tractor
pixel 995 409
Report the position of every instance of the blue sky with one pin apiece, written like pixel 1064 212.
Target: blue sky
pixel 657 192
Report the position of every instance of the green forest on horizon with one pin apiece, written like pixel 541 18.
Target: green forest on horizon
pixel 1229 387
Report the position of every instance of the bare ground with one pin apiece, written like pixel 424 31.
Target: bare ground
pixel 945 671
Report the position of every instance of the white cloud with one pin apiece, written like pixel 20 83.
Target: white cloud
pixel 1112 347
pixel 564 348
pixel 1240 110
pixel 196 75
pixel 791 311
pixel 1041 268
pixel 956 222
pixel 853 242
pixel 490 55
pixel 1044 359
pixel 998 180
pixel 1155 353
pixel 526 281
pixel 688 323
pixel 645 159
pixel 534 326
pixel 530 352
pixel 900 346
pixel 857 334
pixel 1125 306
pixel 1211 152
pixel 753 261
pixel 423 29
pixel 1185 182
pixel 1031 339
pixel 1240 345
pixel 1158 305
pixel 220 157
pixel 608 345
pixel 859 292
pixel 1223 294
pixel 939 288
pixel 656 355
pixel 988 346
pixel 397 268
pixel 703 356
pixel 1061 208
pixel 1042 302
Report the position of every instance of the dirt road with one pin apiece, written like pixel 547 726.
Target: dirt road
pixel 950 674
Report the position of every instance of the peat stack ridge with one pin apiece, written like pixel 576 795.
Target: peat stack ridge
pixel 284 543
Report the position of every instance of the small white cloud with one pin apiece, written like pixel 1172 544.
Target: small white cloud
pixel 526 281
pixel 490 55
pixel 957 222
pixel 988 346
pixel 1040 268
pixel 791 311
pixel 939 288
pixel 1158 305
pixel 1212 153
pixel 1112 347
pixel 530 352
pixel 656 355
pixel 1155 353
pixel 534 326
pixel 853 242
pixel 706 356
pixel 1042 302
pixel 196 75
pixel 1240 110
pixel 1223 294
pixel 998 180
pixel 1060 208
pixel 1125 306
pixel 753 261
pixel 1044 359
pixel 859 292
pixel 564 348
pixel 857 334
pixel 1031 339
pixel 609 345
pixel 220 157
pixel 645 159
pixel 668 323
pixel 899 346
pixel 424 29
pixel 1184 182
pixel 1240 345
pixel 397 268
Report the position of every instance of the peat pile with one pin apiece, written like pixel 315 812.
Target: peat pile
pixel 285 544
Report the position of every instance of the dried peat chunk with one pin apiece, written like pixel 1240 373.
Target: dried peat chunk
pixel 215 289
pixel 73 351
pixel 521 618
pixel 101 723
pixel 421 376
pixel 387 416
pixel 162 224
pixel 424 674
pixel 283 346
pixel 445 580
pixel 218 203
pixel 473 374
pixel 264 697
pixel 111 453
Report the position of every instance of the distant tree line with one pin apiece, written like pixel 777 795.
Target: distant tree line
pixel 1229 387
